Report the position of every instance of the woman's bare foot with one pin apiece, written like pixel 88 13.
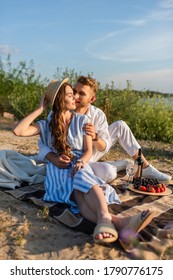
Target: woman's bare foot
pixel 105 231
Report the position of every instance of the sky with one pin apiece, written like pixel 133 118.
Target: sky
pixel 116 40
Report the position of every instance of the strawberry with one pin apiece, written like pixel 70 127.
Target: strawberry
pixel 151 189
pixel 164 187
pixel 142 188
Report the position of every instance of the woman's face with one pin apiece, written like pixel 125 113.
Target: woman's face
pixel 69 99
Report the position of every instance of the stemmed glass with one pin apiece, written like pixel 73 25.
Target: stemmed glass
pixel 131 170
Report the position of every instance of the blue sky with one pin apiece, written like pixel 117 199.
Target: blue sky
pixel 116 40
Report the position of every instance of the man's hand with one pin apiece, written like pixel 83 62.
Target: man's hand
pixel 99 143
pixel 89 129
pixel 61 161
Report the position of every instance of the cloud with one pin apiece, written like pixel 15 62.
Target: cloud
pixel 95 47
pixel 143 40
pixel 166 4
pixel 6 50
pixel 158 15
pixel 136 22
pixel 151 47
pixel 138 42
pixel 148 47
pixel 163 12
pixel 158 80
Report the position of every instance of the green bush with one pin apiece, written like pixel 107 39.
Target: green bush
pixel 116 103
pixel 147 113
pixel 20 88
pixel 152 121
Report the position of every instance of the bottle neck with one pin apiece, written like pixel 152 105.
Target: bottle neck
pixel 139 162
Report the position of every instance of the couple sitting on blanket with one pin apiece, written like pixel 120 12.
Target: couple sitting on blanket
pixel 74 136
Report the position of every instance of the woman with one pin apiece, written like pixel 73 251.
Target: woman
pixel 77 185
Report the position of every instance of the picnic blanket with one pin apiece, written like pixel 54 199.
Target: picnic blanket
pixel 151 243
pixel 17 169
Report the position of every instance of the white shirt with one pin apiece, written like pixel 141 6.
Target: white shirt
pixel 98 118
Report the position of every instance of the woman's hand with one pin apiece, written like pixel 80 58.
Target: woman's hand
pixel 27 127
pixel 43 103
pixel 76 167
pixel 61 161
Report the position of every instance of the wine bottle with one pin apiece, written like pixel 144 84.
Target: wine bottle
pixel 139 162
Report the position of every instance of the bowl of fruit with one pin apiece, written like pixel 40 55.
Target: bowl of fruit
pixel 149 187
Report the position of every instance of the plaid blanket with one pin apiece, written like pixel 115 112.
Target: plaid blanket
pixel 151 243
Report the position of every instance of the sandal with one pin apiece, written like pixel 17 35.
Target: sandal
pixel 108 228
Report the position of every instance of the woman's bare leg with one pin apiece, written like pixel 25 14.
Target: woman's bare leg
pixel 84 208
pixel 93 206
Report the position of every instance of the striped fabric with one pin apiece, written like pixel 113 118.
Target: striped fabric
pixel 98 118
pixel 59 184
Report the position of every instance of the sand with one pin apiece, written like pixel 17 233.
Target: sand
pixel 29 233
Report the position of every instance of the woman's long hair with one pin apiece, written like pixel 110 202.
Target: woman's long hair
pixel 56 123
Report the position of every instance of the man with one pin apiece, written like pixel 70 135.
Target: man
pixel 103 136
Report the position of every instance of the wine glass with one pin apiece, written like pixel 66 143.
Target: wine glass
pixel 131 170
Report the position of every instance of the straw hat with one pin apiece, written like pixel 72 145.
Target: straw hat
pixel 53 89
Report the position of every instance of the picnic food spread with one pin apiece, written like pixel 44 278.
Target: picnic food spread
pixel 148 185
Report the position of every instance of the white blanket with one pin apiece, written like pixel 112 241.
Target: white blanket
pixel 16 168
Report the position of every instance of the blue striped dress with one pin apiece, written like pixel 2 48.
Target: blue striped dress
pixel 59 184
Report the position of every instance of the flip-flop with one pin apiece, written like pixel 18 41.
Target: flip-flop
pixel 108 228
pixel 135 225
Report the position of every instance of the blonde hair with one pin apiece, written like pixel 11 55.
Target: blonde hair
pixel 88 81
pixel 56 123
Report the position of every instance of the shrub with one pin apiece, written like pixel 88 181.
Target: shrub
pixel 20 89
pixel 147 113
pixel 116 103
pixel 152 120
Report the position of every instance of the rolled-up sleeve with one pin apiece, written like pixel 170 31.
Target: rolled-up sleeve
pixel 44 141
pixel 43 151
pixel 98 118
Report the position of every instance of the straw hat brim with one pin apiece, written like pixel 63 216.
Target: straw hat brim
pixel 52 90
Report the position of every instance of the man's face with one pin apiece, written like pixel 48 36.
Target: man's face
pixel 83 95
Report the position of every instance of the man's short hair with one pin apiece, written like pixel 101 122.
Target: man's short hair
pixel 88 81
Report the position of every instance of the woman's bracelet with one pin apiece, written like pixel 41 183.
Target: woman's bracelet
pixel 81 161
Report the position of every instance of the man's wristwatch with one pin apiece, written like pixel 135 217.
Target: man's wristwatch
pixel 96 138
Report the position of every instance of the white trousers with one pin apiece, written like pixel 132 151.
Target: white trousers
pixel 119 131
